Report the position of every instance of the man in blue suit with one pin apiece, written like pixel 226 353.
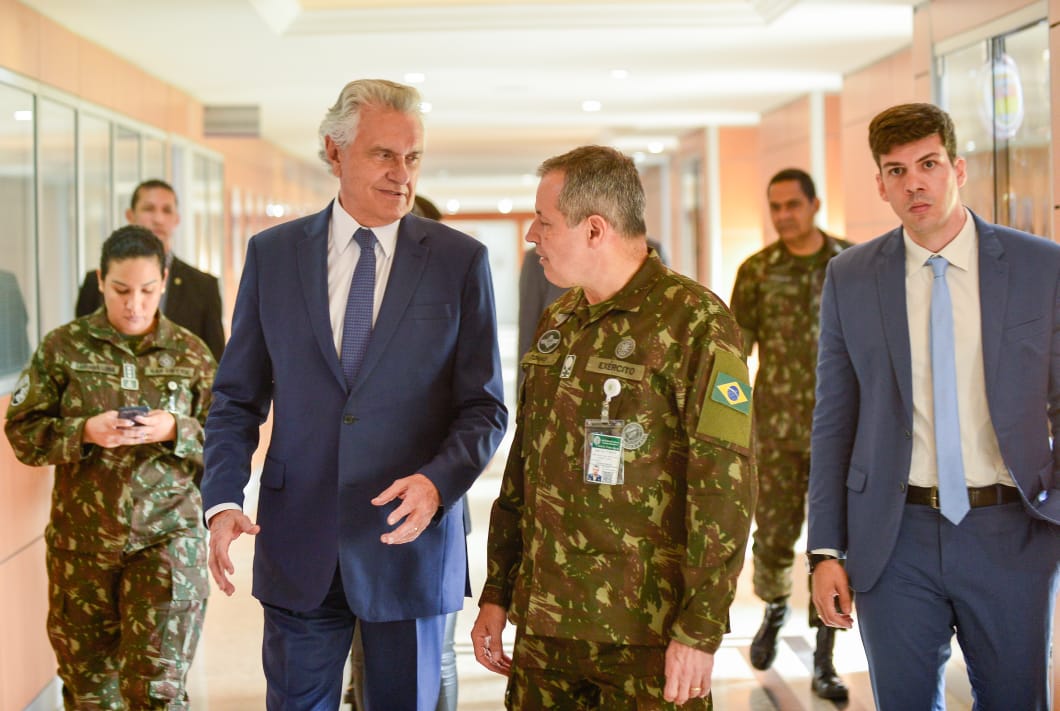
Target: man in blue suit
pixel 375 436
pixel 944 501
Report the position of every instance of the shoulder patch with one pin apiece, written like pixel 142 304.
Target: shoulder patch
pixel 21 390
pixel 726 410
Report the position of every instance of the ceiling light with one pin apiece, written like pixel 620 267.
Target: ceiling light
pixel 24 115
pixel 591 105
pixel 426 106
pixel 504 206
pixel 415 77
pixel 619 74
pixel 656 147
pixel 452 206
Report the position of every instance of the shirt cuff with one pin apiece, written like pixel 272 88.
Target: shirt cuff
pixel 214 510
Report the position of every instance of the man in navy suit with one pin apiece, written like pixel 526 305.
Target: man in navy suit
pixel 923 566
pixel 360 514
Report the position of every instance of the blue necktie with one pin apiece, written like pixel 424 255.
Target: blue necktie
pixel 953 491
pixel 357 323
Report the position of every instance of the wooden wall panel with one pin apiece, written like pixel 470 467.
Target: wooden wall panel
pixel 742 193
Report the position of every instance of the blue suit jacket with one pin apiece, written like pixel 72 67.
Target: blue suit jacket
pixel 863 420
pixel 428 398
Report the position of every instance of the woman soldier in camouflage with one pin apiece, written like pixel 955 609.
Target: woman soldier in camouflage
pixel 126 550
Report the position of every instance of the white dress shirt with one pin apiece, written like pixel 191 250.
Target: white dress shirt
pixel 343 253
pixel 983 465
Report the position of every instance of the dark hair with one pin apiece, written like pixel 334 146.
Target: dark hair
pixel 598 180
pixel 129 242
pixel 425 208
pixel 800 176
pixel 907 123
pixel 151 184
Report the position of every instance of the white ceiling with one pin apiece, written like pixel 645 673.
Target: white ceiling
pixel 506 80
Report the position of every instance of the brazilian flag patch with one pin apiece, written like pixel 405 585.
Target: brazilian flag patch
pixel 732 392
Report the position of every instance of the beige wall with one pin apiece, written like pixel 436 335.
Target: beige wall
pixel 741 199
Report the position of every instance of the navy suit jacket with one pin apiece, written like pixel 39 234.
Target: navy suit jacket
pixel 863 420
pixel 428 398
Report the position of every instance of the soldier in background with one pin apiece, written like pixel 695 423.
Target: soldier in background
pixel 126 546
pixel 776 300
pixel 619 582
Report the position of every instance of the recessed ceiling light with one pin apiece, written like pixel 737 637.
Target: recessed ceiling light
pixel 452 206
pixel 656 147
pixel 24 115
pixel 504 206
pixel 426 106
pixel 591 105
pixel 415 77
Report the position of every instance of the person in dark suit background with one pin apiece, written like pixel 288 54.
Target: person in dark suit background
pixel 360 518
pixel 943 500
pixel 192 298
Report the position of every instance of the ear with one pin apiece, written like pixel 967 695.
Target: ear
pixel 816 204
pixel 165 279
pixel 879 187
pixel 99 280
pixel 331 150
pixel 597 227
pixel 129 215
pixel 962 171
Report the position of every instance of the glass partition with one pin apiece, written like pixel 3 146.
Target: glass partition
pixel 97 222
pixel 18 319
pixel 57 173
pixel 997 92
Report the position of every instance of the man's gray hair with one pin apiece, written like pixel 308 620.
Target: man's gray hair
pixel 599 180
pixel 341 120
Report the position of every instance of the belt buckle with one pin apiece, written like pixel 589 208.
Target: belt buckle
pixel 934 500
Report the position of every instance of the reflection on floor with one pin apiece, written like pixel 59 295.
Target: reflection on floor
pixel 227 673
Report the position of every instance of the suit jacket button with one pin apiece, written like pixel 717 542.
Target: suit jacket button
pixel 908 434
pixel 348 419
pixel 901 487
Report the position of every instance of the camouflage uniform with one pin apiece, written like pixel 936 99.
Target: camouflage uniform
pixel 655 558
pixel 776 300
pixel 126 544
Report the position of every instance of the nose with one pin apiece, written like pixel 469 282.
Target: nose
pixel 399 171
pixel 531 234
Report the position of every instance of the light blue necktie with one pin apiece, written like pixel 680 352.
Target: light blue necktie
pixel 953 491
pixel 357 323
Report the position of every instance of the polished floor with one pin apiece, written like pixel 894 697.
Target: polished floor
pixel 227 674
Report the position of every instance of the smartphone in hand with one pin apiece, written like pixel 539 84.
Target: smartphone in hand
pixel 131 411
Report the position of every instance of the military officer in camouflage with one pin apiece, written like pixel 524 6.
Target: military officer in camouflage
pixel 126 550
pixel 623 517
pixel 776 300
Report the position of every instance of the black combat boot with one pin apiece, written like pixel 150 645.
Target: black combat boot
pixel 764 645
pixel 826 683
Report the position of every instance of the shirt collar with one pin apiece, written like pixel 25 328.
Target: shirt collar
pixel 343 226
pixel 960 252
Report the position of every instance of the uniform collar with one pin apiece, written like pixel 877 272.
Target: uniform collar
pixel 99 327
pixel 629 297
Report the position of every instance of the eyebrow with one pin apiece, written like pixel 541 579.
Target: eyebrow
pixel 933 155
pixel 118 282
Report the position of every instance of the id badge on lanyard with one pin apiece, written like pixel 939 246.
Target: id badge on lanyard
pixel 603 462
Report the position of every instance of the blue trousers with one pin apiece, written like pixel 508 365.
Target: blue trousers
pixel 303 654
pixel 992 580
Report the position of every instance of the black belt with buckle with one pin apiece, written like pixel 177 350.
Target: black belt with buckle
pixel 977 495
